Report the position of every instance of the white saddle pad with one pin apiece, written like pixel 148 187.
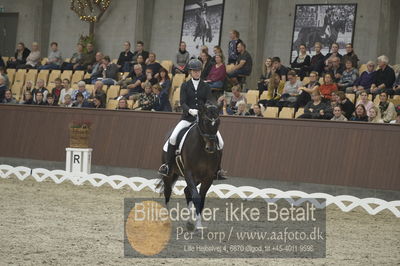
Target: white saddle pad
pixel 165 147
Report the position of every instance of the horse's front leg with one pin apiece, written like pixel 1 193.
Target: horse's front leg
pixel 195 197
pixel 203 191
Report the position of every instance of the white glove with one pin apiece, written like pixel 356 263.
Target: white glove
pixel 193 112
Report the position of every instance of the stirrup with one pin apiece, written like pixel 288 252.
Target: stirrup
pixel 164 169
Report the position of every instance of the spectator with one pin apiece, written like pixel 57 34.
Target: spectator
pixel 96 71
pixel 328 87
pixel 387 109
pixel 232 46
pixel 161 101
pixel 317 61
pixel 291 91
pixel 181 59
pixel 67 90
pixel 126 79
pixel 50 100
pixel 4 75
pixel 75 59
pixel 56 91
pixel 350 56
pixel 265 76
pixel 164 80
pixel 335 69
pixel 334 53
pixel 364 101
pixel 39 99
pixel 345 104
pixel 275 90
pixel 29 86
pixel 67 102
pixel 140 61
pixel 207 65
pixel 54 59
pixel 217 74
pixel 302 62
pixel 82 91
pixel 3 88
pixel 360 114
pixel 8 98
pixel 97 103
pixel 337 114
pixel 146 99
pixel 134 84
pixel 396 87
pixel 27 98
pixel 204 49
pixel 2 63
pixel 150 77
pixel 375 115
pixel 140 51
pixel 125 58
pixel 99 92
pixel 256 110
pixel 236 97
pixel 33 58
pixel 349 76
pixel 241 109
pixel 217 50
pixel 278 68
pixel 153 65
pixel 109 72
pixel 385 77
pixel 397 120
pixel 20 56
pixel 81 102
pixel 40 88
pixel 308 89
pixel 366 79
pixel 122 104
pixel 317 109
pixel 243 66
pixel 88 59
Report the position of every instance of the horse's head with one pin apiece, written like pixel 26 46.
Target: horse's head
pixel 208 123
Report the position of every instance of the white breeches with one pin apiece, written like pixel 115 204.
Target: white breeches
pixel 182 124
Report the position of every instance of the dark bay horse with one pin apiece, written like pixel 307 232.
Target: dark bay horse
pixel 201 160
pixel 202 31
pixel 310 35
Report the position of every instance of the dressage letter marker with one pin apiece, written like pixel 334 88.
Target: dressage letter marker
pixel 78 160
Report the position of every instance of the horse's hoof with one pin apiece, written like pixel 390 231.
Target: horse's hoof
pixel 190 226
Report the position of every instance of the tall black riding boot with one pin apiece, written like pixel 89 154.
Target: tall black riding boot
pixel 166 167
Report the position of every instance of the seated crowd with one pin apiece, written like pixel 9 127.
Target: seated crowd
pixel 148 84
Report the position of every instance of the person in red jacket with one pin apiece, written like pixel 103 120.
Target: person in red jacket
pixel 217 73
pixel 328 87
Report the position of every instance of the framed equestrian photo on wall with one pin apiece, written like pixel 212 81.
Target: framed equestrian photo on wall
pixel 326 24
pixel 202 24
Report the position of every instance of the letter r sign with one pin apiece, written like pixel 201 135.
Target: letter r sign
pixel 77 158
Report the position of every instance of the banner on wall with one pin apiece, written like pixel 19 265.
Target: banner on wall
pixel 325 24
pixel 202 24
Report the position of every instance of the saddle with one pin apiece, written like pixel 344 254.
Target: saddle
pixel 179 140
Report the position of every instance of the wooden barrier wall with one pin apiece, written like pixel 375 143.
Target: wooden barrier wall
pixel 338 153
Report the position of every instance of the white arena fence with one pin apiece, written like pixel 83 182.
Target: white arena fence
pixel 344 202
